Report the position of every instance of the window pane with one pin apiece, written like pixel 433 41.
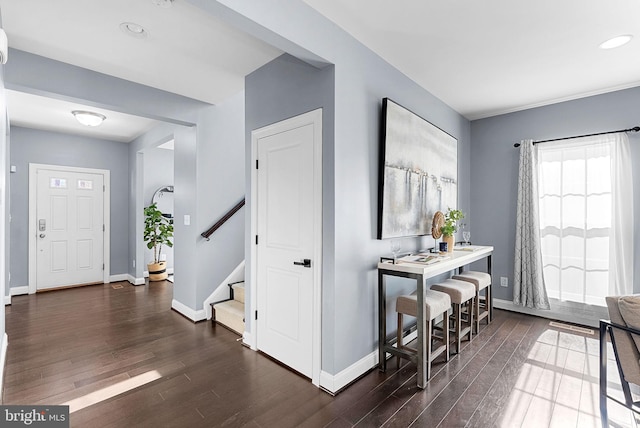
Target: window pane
pixel 550 209
pixel 599 175
pixel 551 185
pixel 572 284
pixel 573 211
pixel 597 256
pixel 597 287
pixel 575 221
pixel 573 177
pixel 599 211
pixel 572 252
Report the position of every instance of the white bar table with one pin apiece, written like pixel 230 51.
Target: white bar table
pixel 420 272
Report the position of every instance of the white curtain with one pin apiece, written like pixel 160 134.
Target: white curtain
pixel 529 285
pixel 586 217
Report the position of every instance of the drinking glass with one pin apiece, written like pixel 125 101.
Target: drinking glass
pixel 395 248
pixel 466 235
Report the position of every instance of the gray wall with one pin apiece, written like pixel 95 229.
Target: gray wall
pixel 158 172
pixel 53 148
pixel 495 165
pixel 179 115
pixel 186 236
pixel 284 88
pixel 4 202
pixel 362 79
pixel 142 169
pixel 35 74
pixel 221 185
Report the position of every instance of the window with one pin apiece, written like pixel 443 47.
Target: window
pixel 580 192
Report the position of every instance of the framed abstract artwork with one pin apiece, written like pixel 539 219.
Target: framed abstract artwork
pixel 418 173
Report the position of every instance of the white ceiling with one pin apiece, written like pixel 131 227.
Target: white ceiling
pixel 490 57
pixel 186 52
pixel 481 58
pixel 34 111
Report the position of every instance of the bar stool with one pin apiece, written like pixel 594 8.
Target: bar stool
pixel 435 304
pixel 482 281
pixel 462 294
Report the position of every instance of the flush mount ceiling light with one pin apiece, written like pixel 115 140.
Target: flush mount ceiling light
pixel 88 118
pixel 134 30
pixel 166 4
pixel 616 42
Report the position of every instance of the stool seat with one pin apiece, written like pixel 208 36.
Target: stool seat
pixel 435 303
pixel 482 281
pixel 458 291
pixel 461 293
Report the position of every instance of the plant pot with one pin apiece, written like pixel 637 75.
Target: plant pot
pixel 157 271
pixel 449 239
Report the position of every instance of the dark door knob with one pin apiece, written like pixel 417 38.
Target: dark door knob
pixel 305 262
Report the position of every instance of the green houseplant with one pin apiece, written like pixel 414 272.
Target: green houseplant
pixel 158 231
pixel 450 227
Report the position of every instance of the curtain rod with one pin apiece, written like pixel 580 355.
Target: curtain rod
pixel 634 129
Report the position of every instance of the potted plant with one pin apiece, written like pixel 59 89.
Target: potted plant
pixel 158 231
pixel 450 227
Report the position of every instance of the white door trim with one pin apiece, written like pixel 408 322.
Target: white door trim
pixel 33 168
pixel 314 117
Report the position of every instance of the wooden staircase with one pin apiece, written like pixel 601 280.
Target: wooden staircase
pixel 230 313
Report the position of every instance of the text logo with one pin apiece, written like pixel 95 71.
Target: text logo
pixel 34 416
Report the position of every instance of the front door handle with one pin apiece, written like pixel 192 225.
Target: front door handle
pixel 42 235
pixel 305 262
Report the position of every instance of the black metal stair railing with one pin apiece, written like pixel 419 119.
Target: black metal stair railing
pixel 223 220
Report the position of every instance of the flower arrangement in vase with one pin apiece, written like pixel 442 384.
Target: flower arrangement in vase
pixel 451 219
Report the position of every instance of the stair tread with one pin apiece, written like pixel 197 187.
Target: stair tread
pixel 230 314
pixel 231 306
pixel 238 291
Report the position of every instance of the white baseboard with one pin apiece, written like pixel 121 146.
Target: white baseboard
pixel 221 292
pixel 3 359
pixel 561 311
pixel 119 277
pixel 7 300
pixel 192 314
pixel 247 339
pixel 135 281
pixel 19 291
pixel 334 383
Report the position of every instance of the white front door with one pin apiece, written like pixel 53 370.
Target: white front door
pixel 69 228
pixel 288 256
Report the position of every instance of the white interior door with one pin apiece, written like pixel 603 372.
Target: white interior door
pixel 69 228
pixel 288 221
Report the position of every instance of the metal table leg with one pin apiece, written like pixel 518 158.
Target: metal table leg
pixel 421 330
pixel 382 321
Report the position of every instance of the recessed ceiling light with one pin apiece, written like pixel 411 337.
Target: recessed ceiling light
pixel 88 118
pixel 163 3
pixel 134 30
pixel 616 42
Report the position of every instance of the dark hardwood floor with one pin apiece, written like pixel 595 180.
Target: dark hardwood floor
pixel 120 357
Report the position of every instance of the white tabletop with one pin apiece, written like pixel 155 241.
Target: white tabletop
pixel 456 259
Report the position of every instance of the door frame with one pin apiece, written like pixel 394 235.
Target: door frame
pixel 315 118
pixel 33 232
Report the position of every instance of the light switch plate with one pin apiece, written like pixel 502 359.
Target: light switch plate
pixel 187 220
